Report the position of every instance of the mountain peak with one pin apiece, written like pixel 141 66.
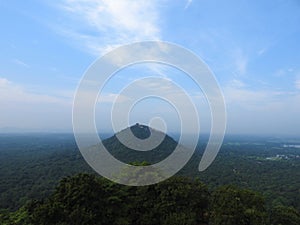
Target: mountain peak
pixel 164 147
pixel 141 131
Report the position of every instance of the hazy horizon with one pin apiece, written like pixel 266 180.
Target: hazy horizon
pixel 173 134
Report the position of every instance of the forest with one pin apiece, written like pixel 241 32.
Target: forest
pixel 87 199
pixel 44 180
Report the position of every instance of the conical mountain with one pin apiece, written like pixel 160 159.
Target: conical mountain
pixel 120 145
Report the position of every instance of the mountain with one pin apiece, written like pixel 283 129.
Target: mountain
pixel 148 137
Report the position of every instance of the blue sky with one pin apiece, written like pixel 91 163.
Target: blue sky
pixel 251 46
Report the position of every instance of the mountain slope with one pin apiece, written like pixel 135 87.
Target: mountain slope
pixel 142 132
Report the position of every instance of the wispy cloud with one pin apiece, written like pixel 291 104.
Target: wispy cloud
pixel 269 44
pixel 112 98
pixel 237 83
pixel 280 73
pixel 22 108
pixel 11 93
pixel 297 84
pixel 241 62
pixel 284 72
pixel 238 94
pixel 188 3
pixel 256 110
pixel 111 23
pixel 20 62
pixel 262 51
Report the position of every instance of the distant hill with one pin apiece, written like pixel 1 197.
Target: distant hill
pixel 142 132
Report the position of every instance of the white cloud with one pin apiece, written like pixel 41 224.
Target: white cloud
pixel 248 98
pixel 238 94
pixel 266 48
pixel 283 72
pixel 153 96
pixel 262 51
pixel 297 84
pixel 21 108
pixel 20 62
pixel 112 97
pixel 261 110
pixel 240 62
pixel 188 3
pixel 111 23
pixel 237 83
pixel 12 93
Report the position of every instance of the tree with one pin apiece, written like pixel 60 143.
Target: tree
pixel 83 199
pixel 178 200
pixel 230 205
pixel 87 199
pixel 283 215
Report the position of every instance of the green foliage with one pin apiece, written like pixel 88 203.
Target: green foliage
pixel 87 199
pixel 180 200
pixel 31 167
pixel 282 215
pixel 246 166
pixel 230 205
pixel 141 173
pixel 19 217
pixel 83 199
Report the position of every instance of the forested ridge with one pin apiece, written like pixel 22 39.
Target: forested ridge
pixel 90 199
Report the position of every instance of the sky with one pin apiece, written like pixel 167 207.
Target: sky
pixel 252 47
